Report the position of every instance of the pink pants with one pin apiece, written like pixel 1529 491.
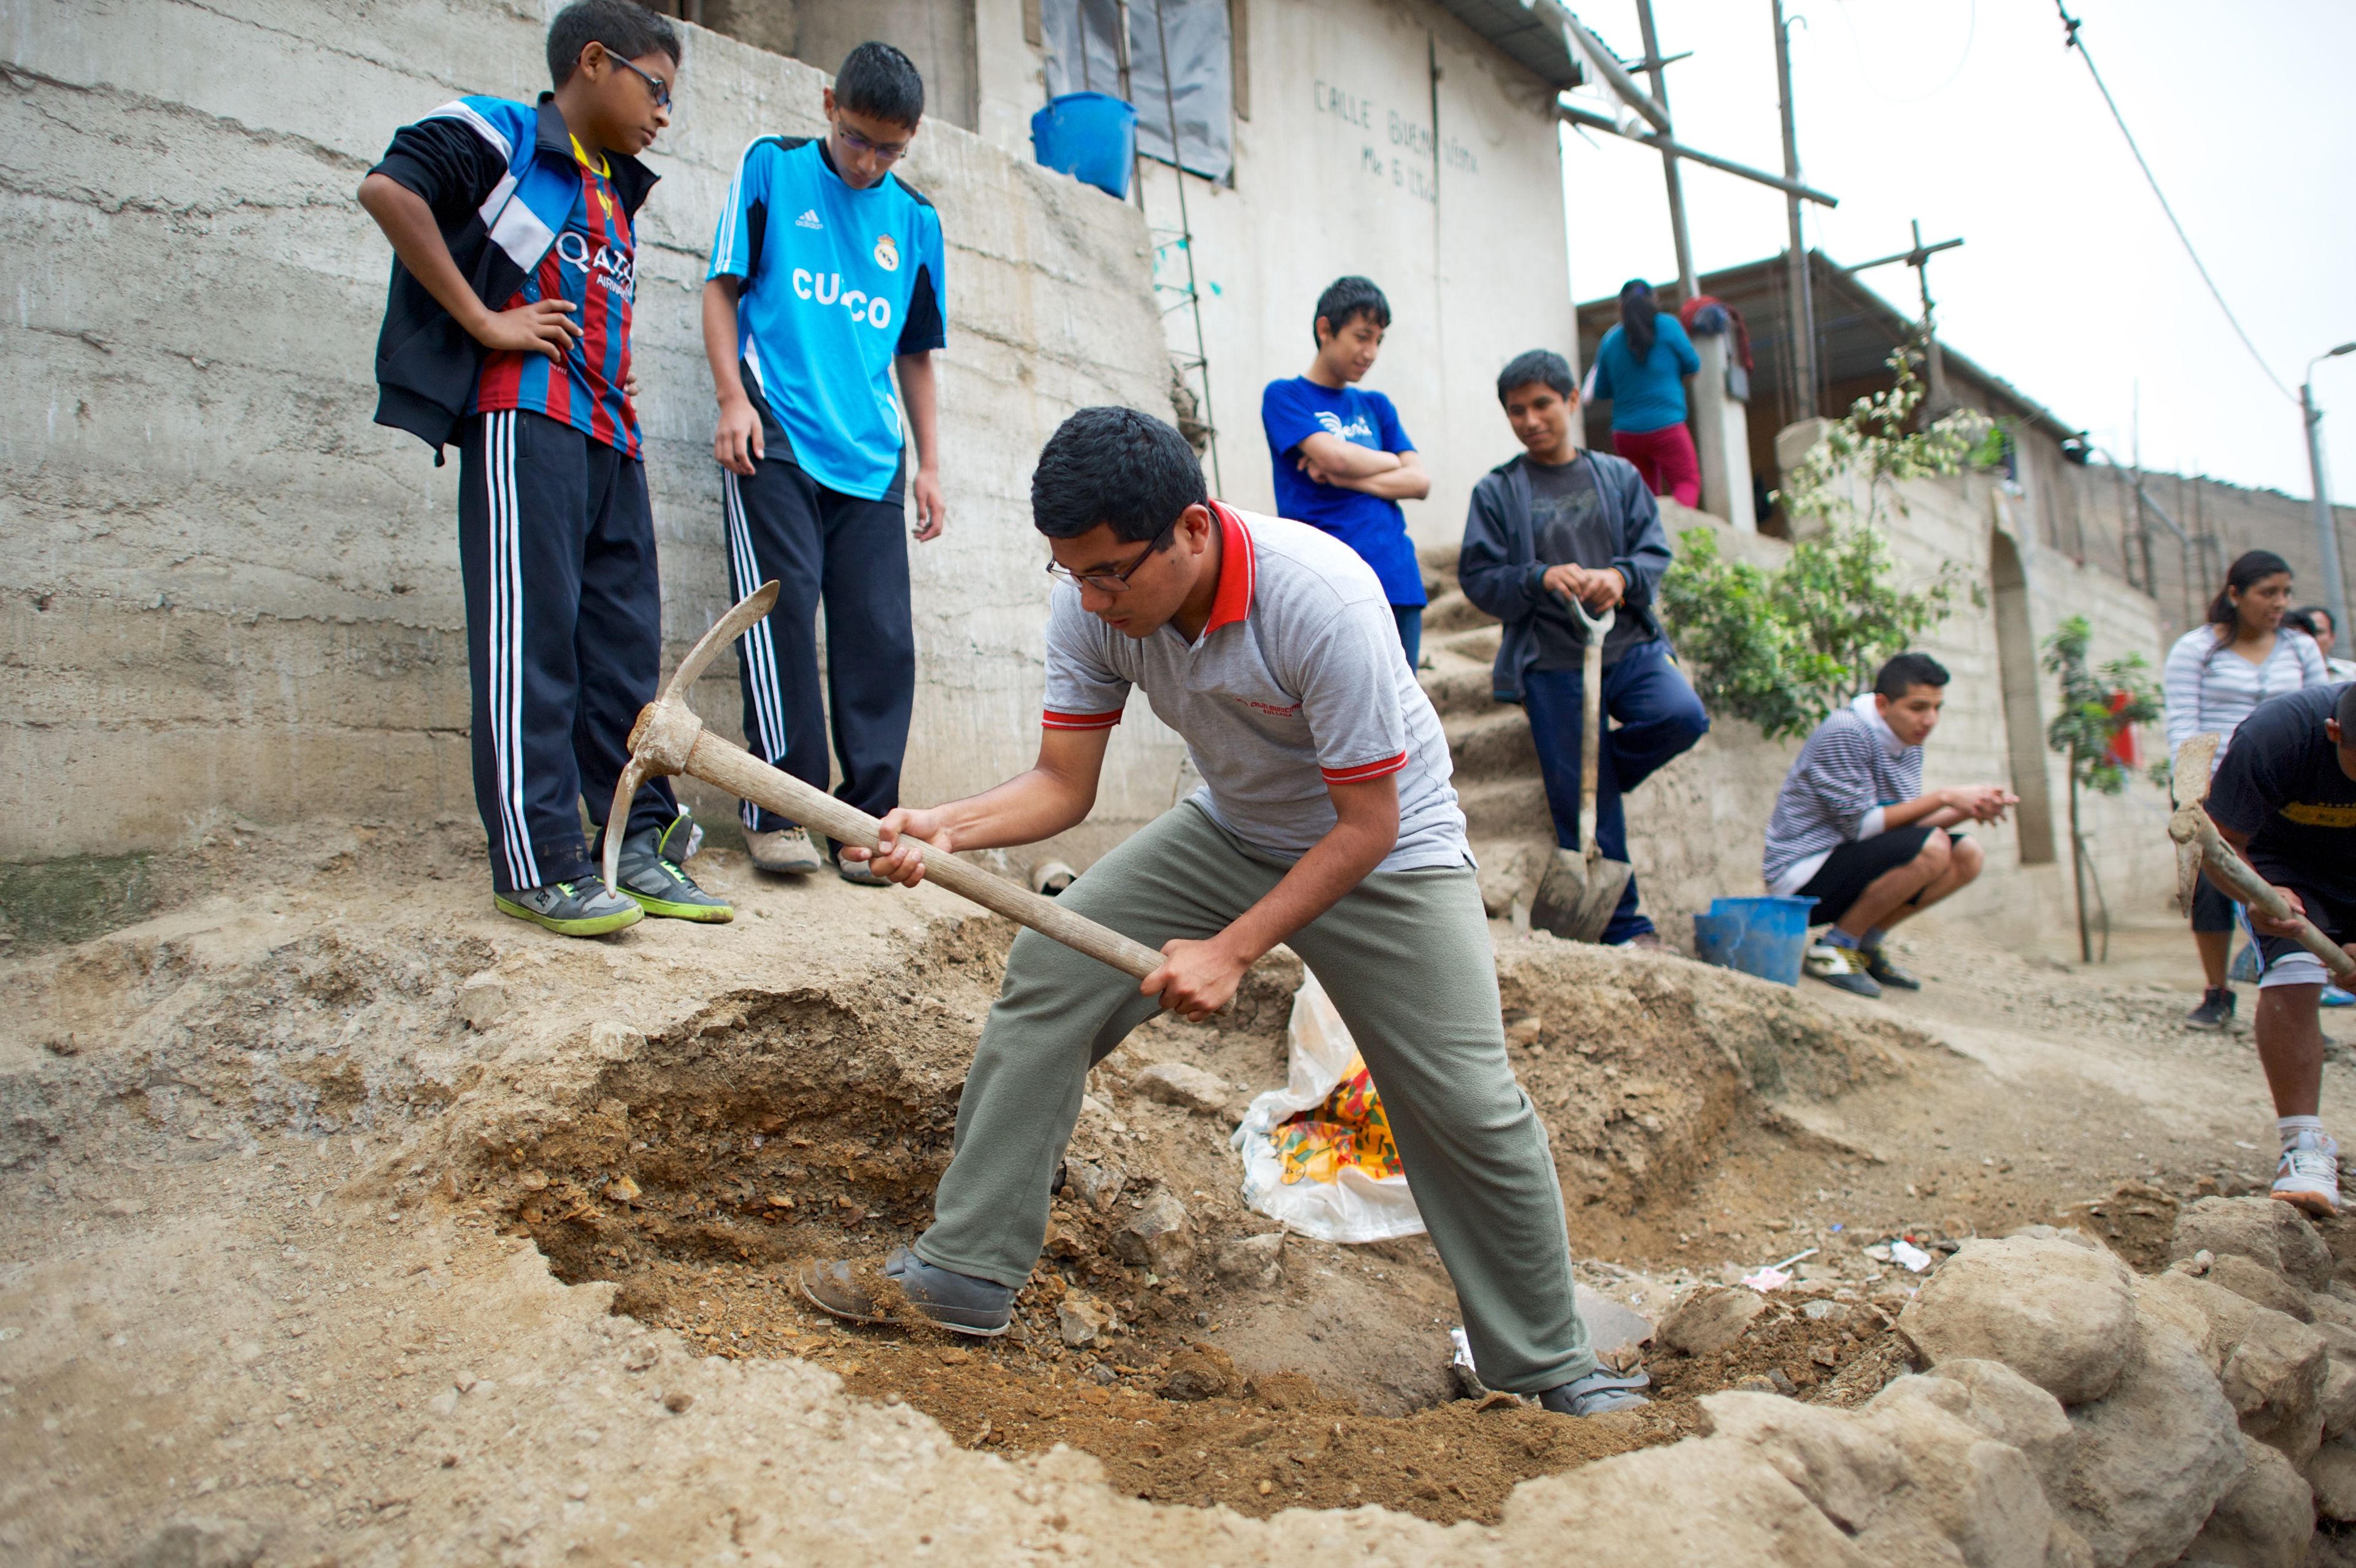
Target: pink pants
pixel 1667 460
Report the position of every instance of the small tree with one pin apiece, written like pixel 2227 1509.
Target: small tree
pixel 2098 706
pixel 1783 648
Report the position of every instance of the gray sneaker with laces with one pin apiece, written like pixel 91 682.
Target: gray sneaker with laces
pixel 571 909
pixel 648 875
pixel 1600 1393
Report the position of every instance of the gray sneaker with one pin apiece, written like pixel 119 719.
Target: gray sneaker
pixel 960 1303
pixel 1597 1393
pixel 648 875
pixel 1841 966
pixel 571 909
pixel 788 851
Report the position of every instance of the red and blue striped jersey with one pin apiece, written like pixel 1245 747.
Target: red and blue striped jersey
pixel 594 264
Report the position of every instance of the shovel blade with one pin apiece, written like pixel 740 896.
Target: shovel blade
pixel 1576 895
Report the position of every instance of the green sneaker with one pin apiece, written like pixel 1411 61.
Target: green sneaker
pixel 571 909
pixel 649 876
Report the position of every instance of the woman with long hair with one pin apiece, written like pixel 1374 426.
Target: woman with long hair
pixel 1641 365
pixel 2217 672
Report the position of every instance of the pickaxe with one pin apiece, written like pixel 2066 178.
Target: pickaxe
pixel 2197 840
pixel 669 738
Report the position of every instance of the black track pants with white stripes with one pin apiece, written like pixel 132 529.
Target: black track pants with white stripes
pixel 563 636
pixel 850 554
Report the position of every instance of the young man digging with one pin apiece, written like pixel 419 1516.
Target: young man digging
pixel 1325 820
pixel 826 277
pixel 1854 830
pixel 508 331
pixel 1558 522
pixel 2286 797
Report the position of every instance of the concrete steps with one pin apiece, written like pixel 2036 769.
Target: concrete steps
pixel 1496 764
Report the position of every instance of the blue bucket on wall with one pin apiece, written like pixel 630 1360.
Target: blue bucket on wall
pixel 1091 136
pixel 1762 936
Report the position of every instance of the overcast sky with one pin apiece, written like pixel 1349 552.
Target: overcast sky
pixel 1971 115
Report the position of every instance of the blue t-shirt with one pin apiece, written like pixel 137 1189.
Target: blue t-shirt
pixel 1650 396
pixel 837 283
pixel 1292 411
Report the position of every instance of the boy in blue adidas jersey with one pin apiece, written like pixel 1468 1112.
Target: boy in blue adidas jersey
pixel 507 332
pixel 825 276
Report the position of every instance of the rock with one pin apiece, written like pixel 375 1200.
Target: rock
pixel 1613 1331
pixel 2336 1404
pixel 1255 1262
pixel 2010 1408
pixel 1706 1502
pixel 1198 1374
pixel 2266 1521
pixel 2155 1455
pixel 1176 1083
pixel 2271 1233
pixel 611 1041
pixel 482 998
pixel 1905 1478
pixel 2332 1474
pixel 2247 1277
pixel 1095 1185
pixel 1525 1031
pixel 678 1401
pixel 1081 1320
pixel 194 1543
pixel 2270 1366
pixel 1158 1237
pixel 1711 1320
pixel 2059 1313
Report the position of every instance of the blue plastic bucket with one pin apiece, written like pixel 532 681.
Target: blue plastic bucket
pixel 1091 136
pixel 1762 936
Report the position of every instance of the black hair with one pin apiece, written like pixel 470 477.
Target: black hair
pixel 627 29
pixel 1115 466
pixel 1537 365
pixel 2255 566
pixel 2345 715
pixel 1344 300
pixel 2311 619
pixel 881 82
pixel 1906 671
pixel 1636 313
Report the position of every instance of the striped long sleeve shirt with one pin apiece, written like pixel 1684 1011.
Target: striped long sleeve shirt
pixel 2209 686
pixel 1851 768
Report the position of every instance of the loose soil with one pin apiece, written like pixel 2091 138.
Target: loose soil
pixel 290 1243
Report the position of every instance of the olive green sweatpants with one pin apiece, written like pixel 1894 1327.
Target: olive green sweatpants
pixel 1406 960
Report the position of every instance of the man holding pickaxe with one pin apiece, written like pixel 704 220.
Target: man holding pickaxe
pixel 1326 820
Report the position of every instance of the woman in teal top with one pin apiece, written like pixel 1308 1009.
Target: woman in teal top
pixel 1641 366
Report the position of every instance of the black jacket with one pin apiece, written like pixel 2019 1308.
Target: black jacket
pixel 460 160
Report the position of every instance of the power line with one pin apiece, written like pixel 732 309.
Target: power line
pixel 2070 25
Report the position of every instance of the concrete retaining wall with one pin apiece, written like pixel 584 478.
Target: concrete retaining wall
pixel 229 593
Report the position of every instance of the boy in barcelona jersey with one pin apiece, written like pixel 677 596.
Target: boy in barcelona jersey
pixel 826 277
pixel 507 332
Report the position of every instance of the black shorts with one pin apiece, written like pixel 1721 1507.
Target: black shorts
pixel 2283 962
pixel 2212 907
pixel 1849 870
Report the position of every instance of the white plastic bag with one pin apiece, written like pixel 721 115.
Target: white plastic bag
pixel 1331 1143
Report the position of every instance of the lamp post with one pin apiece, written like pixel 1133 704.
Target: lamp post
pixel 2327 532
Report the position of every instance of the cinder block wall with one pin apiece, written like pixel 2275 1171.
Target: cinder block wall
pixel 226 593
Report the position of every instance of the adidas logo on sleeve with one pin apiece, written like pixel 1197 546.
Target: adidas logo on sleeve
pixel 809 219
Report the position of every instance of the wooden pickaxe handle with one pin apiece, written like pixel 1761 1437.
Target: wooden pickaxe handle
pixel 2192 826
pixel 669 738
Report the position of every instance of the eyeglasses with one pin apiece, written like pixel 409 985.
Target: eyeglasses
pixel 890 151
pixel 655 84
pixel 1111 581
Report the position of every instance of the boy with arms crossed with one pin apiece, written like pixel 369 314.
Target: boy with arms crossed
pixel 826 275
pixel 1325 820
pixel 508 331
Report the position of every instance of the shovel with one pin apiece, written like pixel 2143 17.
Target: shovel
pixel 1581 886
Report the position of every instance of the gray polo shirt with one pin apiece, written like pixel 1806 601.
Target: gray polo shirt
pixel 1296 683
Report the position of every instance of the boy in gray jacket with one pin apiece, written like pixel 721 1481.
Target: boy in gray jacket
pixel 1560 523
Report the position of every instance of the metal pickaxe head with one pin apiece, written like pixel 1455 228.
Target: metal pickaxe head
pixel 667 728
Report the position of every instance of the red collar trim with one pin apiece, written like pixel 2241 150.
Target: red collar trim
pixel 1238 571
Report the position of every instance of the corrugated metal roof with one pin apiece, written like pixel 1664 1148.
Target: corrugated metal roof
pixel 1528 34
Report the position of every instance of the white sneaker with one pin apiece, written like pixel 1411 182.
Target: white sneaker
pixel 2309 1176
pixel 787 850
